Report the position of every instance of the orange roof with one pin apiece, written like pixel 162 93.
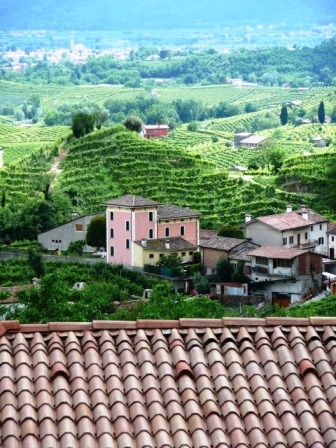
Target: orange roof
pixel 201 383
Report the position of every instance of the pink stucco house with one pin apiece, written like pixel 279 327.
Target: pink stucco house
pixel 135 223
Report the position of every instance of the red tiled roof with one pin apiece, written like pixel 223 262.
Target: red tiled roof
pixel 218 383
pixel 285 221
pixel 284 253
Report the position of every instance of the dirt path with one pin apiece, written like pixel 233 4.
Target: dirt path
pixel 55 167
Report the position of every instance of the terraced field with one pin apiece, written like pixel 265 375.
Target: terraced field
pixel 54 95
pixel 19 141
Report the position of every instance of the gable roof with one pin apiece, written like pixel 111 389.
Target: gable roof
pixel 284 221
pixel 130 200
pixel 222 383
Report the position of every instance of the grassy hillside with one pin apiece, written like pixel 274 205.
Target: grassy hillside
pixel 20 142
pixel 185 168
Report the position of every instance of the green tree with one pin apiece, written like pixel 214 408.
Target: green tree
pixel 239 275
pixel 284 115
pixel 192 126
pixel 223 270
pixel 133 123
pixel 202 284
pixel 77 247
pixel 82 124
pixel 230 231
pixel 101 117
pixel 171 261
pixel 321 113
pixel 35 261
pixel 96 232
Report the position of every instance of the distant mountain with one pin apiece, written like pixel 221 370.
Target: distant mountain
pixel 164 14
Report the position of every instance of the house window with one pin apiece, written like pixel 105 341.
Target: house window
pixel 183 254
pixel 150 216
pixel 79 227
pixel 280 263
pixel 151 233
pixel 167 231
pixel 112 251
pixel 291 240
pixel 161 255
pixel 127 225
pixel 111 233
pixel 127 243
pixel 332 238
pixel 191 253
pixel 284 241
pixel 321 240
pixel 306 236
pixel 151 255
pixel 311 228
pixel 262 260
pixel 182 231
pixel 111 216
pixel 320 226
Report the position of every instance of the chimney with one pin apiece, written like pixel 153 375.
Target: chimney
pixel 289 208
pixel 304 212
pixel 167 244
pixel 144 242
pixel 74 216
pixel 248 217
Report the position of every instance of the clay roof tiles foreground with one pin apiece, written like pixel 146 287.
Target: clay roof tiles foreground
pixel 194 383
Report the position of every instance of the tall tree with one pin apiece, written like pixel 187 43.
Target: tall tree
pixel 82 124
pixel 96 232
pixel 321 113
pixel 133 123
pixel 284 115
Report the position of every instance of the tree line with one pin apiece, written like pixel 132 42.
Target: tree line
pixel 271 67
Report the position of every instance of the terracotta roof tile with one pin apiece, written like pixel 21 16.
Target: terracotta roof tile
pixel 221 383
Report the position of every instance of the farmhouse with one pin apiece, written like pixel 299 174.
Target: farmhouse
pixel 253 141
pixel 303 228
pixel 229 382
pixel 155 130
pixel 247 139
pixel 286 275
pixel 239 136
pixel 319 141
pixel 234 249
pixel 139 230
pixel 61 236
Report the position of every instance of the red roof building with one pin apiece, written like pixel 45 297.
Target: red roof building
pixel 191 383
pixel 156 130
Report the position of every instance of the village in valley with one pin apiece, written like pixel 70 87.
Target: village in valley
pixel 168 224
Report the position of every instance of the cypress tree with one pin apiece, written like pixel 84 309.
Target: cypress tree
pixel 284 115
pixel 321 113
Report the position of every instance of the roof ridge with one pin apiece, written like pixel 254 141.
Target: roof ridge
pixel 16 326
